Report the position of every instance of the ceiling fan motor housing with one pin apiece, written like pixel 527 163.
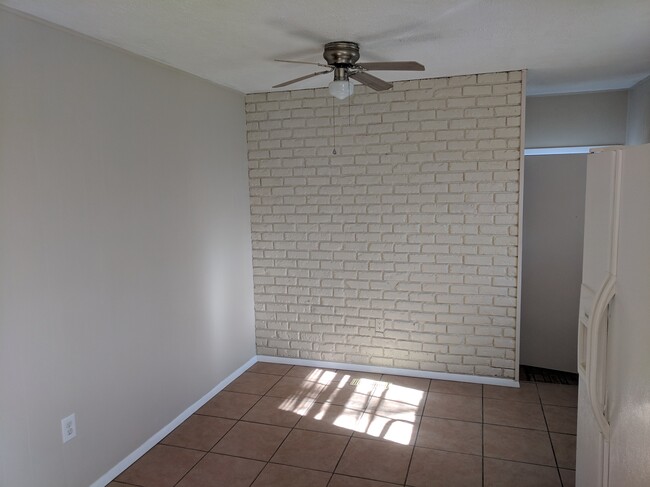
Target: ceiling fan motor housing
pixel 341 53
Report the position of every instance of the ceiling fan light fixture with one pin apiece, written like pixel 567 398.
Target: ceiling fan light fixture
pixel 341 89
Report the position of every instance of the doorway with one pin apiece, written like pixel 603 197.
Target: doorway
pixel 552 241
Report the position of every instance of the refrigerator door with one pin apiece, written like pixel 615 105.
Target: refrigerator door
pixel 599 277
pixel 628 402
pixel 591 450
pixel 599 240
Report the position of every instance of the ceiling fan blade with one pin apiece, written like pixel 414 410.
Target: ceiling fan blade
pixel 393 66
pixel 371 81
pixel 302 78
pixel 301 62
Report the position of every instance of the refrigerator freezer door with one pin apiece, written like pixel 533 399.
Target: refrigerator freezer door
pixel 628 401
pixel 598 241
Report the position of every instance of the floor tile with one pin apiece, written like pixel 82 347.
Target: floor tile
pixel 216 469
pixel 517 444
pixel 452 387
pixel 277 411
pixel 452 406
pixel 284 476
pixel 314 374
pixel 561 419
pixel 353 374
pixel 199 432
pixel 344 396
pixel 359 384
pixel 252 383
pixel 526 392
pixel 311 449
pixel 389 391
pixel 395 409
pixel 434 468
pixel 568 477
pixel 501 473
pixel 252 440
pixel 450 435
pixel 120 484
pixel 565 450
pixel 376 460
pixel 330 418
pixel 227 404
pixel 514 413
pixel 558 394
pixel 162 466
pixel 295 388
pixel 346 481
pixel 375 427
pixel 270 368
pixel 414 383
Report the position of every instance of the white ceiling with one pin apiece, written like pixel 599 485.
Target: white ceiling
pixel 567 45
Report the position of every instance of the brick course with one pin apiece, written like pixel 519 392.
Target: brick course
pixel 412 225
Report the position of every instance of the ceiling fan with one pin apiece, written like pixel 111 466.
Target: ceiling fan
pixel 342 57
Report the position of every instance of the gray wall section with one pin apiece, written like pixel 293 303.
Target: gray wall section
pixel 554 199
pixel 571 120
pixel 125 258
pixel 638 113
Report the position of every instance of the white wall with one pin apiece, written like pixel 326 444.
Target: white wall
pixel 413 222
pixel 638 113
pixel 554 205
pixel 125 256
pixel 581 119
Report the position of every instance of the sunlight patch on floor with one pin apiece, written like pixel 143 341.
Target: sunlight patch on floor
pixel 369 407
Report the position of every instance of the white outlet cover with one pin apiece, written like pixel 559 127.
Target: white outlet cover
pixel 68 428
pixel 380 326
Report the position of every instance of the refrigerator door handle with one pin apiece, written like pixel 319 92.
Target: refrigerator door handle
pixel 598 341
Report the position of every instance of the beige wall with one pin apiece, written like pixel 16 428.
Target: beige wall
pixel 638 113
pixel 412 223
pixel 125 256
pixel 578 119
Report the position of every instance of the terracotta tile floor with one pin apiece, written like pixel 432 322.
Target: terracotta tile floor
pixel 278 425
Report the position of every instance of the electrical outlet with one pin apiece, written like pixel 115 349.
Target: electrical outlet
pixel 68 428
pixel 380 326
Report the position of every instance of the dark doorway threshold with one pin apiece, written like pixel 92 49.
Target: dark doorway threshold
pixel 537 374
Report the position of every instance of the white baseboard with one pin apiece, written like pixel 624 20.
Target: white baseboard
pixel 151 442
pixel 474 379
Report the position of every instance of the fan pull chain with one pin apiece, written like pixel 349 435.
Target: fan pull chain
pixel 350 108
pixel 334 127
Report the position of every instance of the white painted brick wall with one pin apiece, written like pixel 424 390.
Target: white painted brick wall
pixel 413 222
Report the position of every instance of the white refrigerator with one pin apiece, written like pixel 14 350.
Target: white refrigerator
pixel 613 444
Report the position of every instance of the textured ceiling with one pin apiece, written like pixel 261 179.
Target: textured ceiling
pixel 567 45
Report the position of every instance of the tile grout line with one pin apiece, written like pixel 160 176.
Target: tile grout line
pixel 483 436
pixel 339 460
pixel 350 437
pixel 550 439
pixel 285 438
pixel 415 440
pixel 268 462
pixel 191 468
